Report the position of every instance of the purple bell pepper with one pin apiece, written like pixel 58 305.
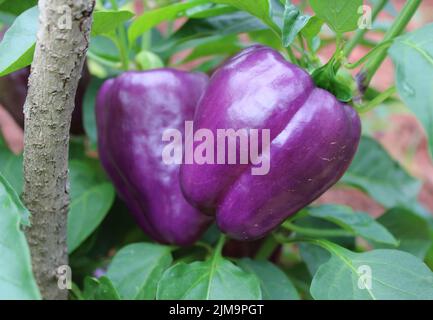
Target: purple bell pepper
pixel 132 112
pixel 13 93
pixel 313 138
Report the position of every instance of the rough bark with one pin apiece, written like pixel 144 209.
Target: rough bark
pixel 62 42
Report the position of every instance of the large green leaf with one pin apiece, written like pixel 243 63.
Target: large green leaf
pixel 377 174
pixel 16 277
pixel 107 21
pixel 412 55
pixel 91 198
pixel 411 230
pixel 341 15
pixel 214 279
pixel 375 275
pixel 274 283
pixel 360 223
pixel 18 44
pixel 261 9
pixel 151 18
pixel 137 268
pixel 11 167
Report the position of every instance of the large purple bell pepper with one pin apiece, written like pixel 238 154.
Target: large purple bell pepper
pixel 132 112
pixel 313 138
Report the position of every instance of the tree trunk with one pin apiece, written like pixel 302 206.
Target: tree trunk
pixel 62 42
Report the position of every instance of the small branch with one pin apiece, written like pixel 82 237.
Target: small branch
pixel 396 29
pixel 62 42
pixel 316 232
pixel 378 100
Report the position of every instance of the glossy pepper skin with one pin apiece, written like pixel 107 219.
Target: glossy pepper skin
pixel 313 140
pixel 132 112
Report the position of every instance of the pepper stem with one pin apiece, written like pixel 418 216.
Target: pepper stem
pixel 220 245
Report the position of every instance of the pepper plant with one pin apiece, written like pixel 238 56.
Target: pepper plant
pixel 139 230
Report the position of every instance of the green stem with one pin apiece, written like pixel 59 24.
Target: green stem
pixel 204 245
pixel 105 62
pixel 396 29
pixel 220 245
pixel 292 56
pixel 381 46
pixel 316 232
pixel 123 47
pixel 146 40
pixel 267 248
pixel 378 100
pixel 359 35
pixel 122 41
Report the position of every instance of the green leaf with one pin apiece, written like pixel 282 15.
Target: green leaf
pixel 214 279
pixel 137 268
pixel 394 275
pixel 16 277
pixel 151 18
pixel 89 116
pixel 274 283
pixel 261 9
pixel 105 22
pixel 15 7
pixel 412 55
pixel 377 174
pixel 198 32
pixel 99 289
pixel 18 44
pixel 294 22
pixel 313 256
pixel 209 10
pixel 226 45
pixel 92 196
pixel 312 28
pixel 411 230
pixel 360 223
pixel 11 166
pixel 341 15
